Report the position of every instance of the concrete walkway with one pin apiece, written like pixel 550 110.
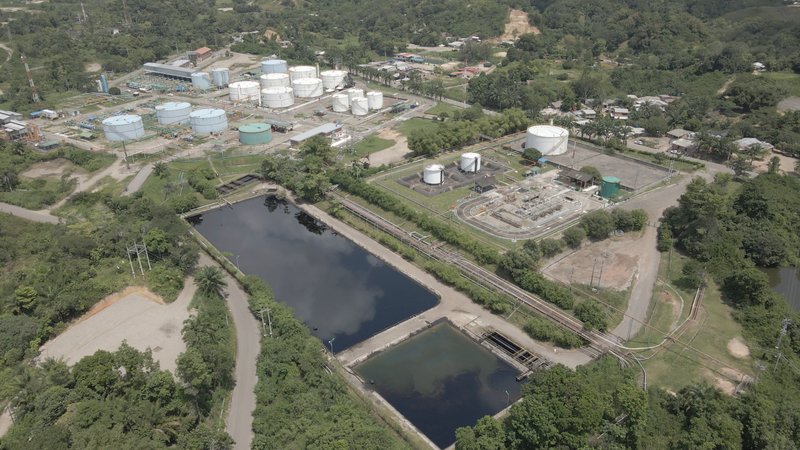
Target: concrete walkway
pixel 137 181
pixel 36 216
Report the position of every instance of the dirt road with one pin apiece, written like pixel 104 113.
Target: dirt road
pixel 36 216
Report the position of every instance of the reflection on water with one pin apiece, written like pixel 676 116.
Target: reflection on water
pixel 786 281
pixel 441 380
pixel 338 289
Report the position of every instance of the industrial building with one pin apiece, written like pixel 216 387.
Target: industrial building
pixel 325 130
pixel 200 55
pixel 7 116
pixel 15 129
pixel 168 70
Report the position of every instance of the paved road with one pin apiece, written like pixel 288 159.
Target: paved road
pixel 137 181
pixel 36 216
pixel 239 423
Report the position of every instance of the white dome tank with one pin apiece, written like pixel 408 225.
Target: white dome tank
pixel 275 80
pixel 245 91
pixel 548 139
pixel 470 162
pixel 201 80
pixel 208 120
pixel 354 93
pixel 173 112
pixel 375 99
pixel 359 106
pixel 341 102
pixel 220 76
pixel 298 72
pixel 277 97
pixel 332 79
pixel 307 87
pixel 274 66
pixel 123 128
pixel 433 174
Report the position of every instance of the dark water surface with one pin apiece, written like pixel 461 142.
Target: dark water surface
pixel 441 380
pixel 786 281
pixel 338 289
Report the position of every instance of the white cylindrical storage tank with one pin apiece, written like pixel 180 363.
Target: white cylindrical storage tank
pixel 548 139
pixel 298 72
pixel 275 80
pixel 208 120
pixel 307 87
pixel 470 162
pixel 332 79
pixel 359 106
pixel 277 97
pixel 354 93
pixel 433 174
pixel 245 91
pixel 123 128
pixel 173 112
pixel 375 99
pixel 340 102
pixel 274 66
pixel 201 80
pixel 220 76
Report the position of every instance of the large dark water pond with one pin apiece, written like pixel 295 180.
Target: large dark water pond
pixel 441 380
pixel 786 281
pixel 338 289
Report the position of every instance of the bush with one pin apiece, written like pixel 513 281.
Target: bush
pixel 591 314
pixel 573 237
pixel 598 224
pixel 550 247
pixel 549 291
pixel 186 202
pixel 165 280
pixel 544 330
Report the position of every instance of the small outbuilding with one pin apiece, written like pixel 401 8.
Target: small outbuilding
pixel 575 178
pixel 485 184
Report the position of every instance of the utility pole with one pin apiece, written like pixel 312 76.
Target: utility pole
pixel 269 319
pixel 784 329
pixel 34 92
pixel 138 249
pixel 125 154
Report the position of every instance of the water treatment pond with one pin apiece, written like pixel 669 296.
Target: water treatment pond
pixel 341 291
pixel 786 281
pixel 441 380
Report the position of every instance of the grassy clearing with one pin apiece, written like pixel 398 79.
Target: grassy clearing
pixel 406 127
pixel 787 80
pixel 455 93
pixel 160 189
pixel 38 193
pixel 442 107
pixel 372 144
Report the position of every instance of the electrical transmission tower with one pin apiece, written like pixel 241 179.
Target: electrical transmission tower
pixel 34 92
pixel 784 329
pixel 138 249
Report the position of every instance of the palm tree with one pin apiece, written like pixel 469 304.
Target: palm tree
pixel 210 280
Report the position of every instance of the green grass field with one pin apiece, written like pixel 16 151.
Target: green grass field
pixel 371 144
pixel 442 107
pixel 788 80
pixel 406 127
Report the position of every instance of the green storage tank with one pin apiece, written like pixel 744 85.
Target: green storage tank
pixel 255 134
pixel 609 187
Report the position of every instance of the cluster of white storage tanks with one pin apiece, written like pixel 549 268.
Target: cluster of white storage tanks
pixel 274 66
pixel 220 76
pixel 245 91
pixel 201 80
pixel 433 174
pixel 277 97
pixel 126 127
pixel 548 139
pixel 208 120
pixel 173 112
pixel 375 100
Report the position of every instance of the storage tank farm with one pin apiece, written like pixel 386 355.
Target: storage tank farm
pixel 208 121
pixel 359 106
pixel 332 79
pixel 354 93
pixel 173 113
pixel 245 91
pixel 307 87
pixel 277 97
pixel 220 76
pixel 201 81
pixel 470 162
pixel 375 100
pixel 126 127
pixel 340 102
pixel 255 134
pixel 298 72
pixel 275 80
pixel 433 174
pixel 274 66
pixel 548 139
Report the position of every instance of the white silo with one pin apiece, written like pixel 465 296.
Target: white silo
pixel 275 80
pixel 277 97
pixel 274 66
pixel 340 102
pixel 332 79
pixel 298 72
pixel 359 106
pixel 208 121
pixel 375 99
pixel 433 174
pixel 354 93
pixel 123 128
pixel 201 80
pixel 548 139
pixel 307 87
pixel 245 91
pixel 220 76
pixel 470 162
pixel 173 112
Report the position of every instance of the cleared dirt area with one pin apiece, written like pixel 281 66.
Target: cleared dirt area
pixel 92 67
pixel 393 154
pixel 789 104
pixel 787 163
pixel 516 26
pixel 726 380
pixel 56 167
pixel 614 262
pixel 135 315
pixel 738 349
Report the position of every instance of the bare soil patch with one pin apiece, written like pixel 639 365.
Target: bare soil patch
pixel 789 104
pixel 738 349
pixel 516 26
pixel 56 167
pixel 93 67
pixel 393 154
pixel 668 298
pixel 787 163
pixel 727 379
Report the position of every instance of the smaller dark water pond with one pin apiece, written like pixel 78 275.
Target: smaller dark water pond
pixel 786 281
pixel 339 290
pixel 441 380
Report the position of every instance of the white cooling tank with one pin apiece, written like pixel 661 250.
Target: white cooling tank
pixel 220 76
pixel 298 72
pixel 275 80
pixel 173 112
pixel 470 162
pixel 548 139
pixel 277 97
pixel 208 120
pixel 274 66
pixel 307 87
pixel 123 128
pixel 375 99
pixel 332 79
pixel 245 91
pixel 359 106
pixel 354 93
pixel 340 102
pixel 433 174
pixel 201 80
